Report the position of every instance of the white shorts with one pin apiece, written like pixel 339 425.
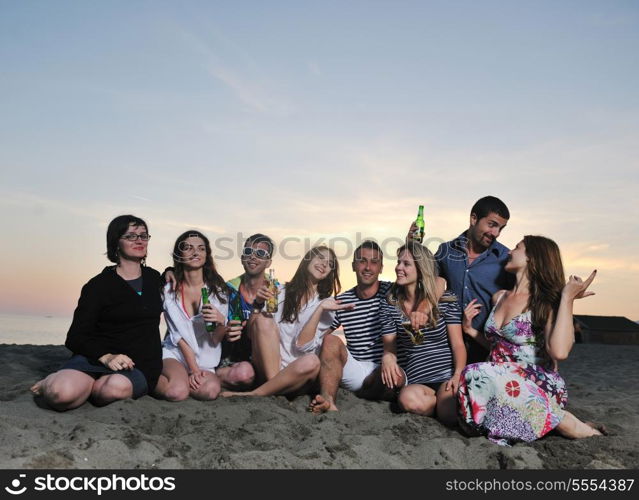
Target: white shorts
pixel 355 372
pixel 176 354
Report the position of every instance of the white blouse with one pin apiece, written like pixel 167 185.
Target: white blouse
pixel 192 330
pixel 289 332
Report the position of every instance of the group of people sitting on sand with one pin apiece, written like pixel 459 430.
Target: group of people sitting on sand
pixel 471 335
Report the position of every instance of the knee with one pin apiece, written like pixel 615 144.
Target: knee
pixel 308 366
pixel 176 392
pixel 332 346
pixel 413 403
pixel 59 394
pixel 115 388
pixel 243 373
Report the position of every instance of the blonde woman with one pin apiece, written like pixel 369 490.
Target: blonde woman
pixel 423 365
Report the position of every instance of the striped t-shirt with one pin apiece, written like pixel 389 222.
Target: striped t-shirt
pixel 432 360
pixel 363 325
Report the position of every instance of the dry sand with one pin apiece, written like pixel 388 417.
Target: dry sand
pixel 280 434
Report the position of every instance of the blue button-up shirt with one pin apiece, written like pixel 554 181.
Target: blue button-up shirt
pixel 479 280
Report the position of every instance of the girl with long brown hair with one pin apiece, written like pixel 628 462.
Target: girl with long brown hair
pixel 191 351
pixel 285 344
pixel 519 395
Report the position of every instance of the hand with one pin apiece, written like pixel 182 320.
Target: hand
pixel 472 310
pixel 117 362
pixel 411 232
pixel 196 378
pixel 211 314
pixel 453 383
pixel 578 289
pixel 169 277
pixel 234 330
pixel 392 374
pixel 263 294
pixel 332 304
pixel 418 320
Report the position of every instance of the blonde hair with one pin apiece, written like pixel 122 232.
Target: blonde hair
pixel 426 289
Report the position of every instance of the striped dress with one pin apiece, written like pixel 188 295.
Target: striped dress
pixel 432 360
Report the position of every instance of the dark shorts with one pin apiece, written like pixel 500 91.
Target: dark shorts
pixel 435 385
pixel 97 370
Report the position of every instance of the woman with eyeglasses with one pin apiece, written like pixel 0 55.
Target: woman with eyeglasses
pixel 191 350
pixel 285 344
pixel 422 365
pixel 114 336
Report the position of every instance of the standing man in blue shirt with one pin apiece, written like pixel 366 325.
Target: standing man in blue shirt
pixel 473 263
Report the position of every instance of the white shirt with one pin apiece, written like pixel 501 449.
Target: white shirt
pixel 192 330
pixel 289 332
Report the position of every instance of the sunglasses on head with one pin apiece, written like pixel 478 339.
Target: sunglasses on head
pixel 260 253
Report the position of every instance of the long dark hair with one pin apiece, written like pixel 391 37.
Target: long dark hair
pixel 299 289
pixel 212 278
pixel 546 278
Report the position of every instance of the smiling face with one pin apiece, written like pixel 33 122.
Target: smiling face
pixel 405 269
pixel 321 265
pixel 193 251
pixel 517 258
pixel 253 264
pixel 367 266
pixel 482 232
pixel 133 249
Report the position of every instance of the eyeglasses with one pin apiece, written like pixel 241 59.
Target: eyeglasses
pixel 135 237
pixel 260 253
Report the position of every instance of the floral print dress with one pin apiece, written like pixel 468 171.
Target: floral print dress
pixel 517 395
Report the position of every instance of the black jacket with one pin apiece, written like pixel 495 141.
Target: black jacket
pixel 112 318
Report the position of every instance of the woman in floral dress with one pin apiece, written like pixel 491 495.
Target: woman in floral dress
pixel 519 395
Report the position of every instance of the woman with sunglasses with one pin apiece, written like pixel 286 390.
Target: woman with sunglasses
pixel 114 336
pixel 285 344
pixel 423 365
pixel 192 348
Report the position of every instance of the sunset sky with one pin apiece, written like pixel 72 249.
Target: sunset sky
pixel 322 120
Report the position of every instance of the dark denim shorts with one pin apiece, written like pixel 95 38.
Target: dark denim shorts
pixel 96 370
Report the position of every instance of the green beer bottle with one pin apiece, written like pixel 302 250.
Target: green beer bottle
pixel 210 325
pixel 419 222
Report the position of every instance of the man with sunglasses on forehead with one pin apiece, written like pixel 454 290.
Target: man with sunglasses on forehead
pixel 256 258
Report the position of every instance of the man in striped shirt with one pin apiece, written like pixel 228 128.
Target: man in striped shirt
pixel 356 365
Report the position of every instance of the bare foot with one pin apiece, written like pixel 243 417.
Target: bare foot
pixel 319 404
pixel 598 429
pixel 37 388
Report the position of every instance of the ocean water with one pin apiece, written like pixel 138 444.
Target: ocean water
pixel 37 330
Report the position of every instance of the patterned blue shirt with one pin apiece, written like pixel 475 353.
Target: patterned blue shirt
pixel 479 280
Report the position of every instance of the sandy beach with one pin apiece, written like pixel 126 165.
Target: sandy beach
pixel 275 433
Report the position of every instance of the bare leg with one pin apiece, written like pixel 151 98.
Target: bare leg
pixel 418 399
pixel 209 389
pixel 292 378
pixel 446 408
pixel 110 388
pixel 265 341
pixel 173 384
pixel 333 358
pixel 239 376
pixel 573 428
pixel 64 389
pixel 374 388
